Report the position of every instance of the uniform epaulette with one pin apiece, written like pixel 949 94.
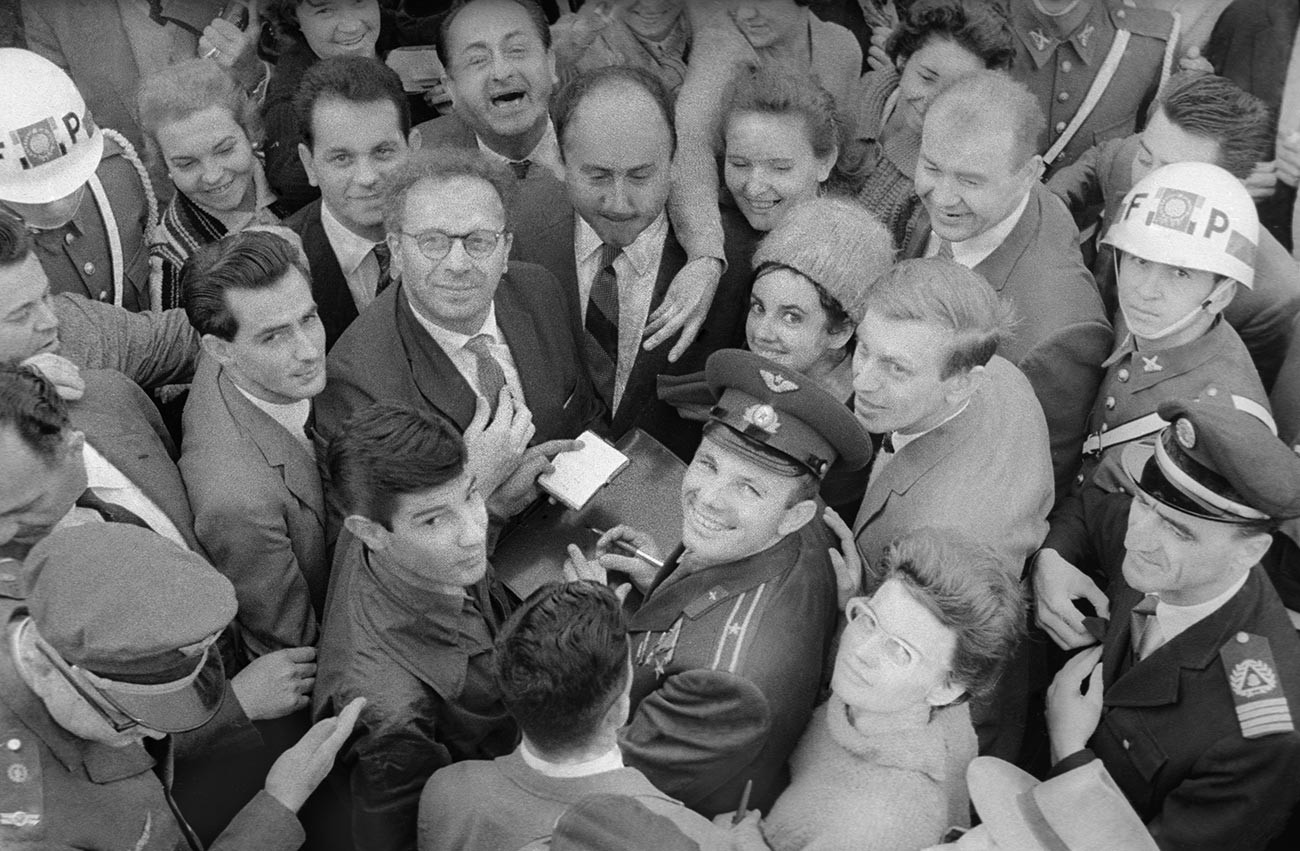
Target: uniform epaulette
pixel 1257 692
pixel 21 787
pixel 1152 23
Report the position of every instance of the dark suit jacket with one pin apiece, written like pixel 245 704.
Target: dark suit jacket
pixel 123 425
pixel 258 509
pixel 387 355
pixel 1061 335
pixel 328 285
pixel 551 246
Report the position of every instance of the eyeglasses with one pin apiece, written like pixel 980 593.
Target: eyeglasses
pixel 96 698
pixel 863 618
pixel 436 244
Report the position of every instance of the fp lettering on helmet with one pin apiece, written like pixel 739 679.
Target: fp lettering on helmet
pixel 1175 209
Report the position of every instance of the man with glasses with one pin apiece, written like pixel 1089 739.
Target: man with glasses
pixel 112 653
pixel 498 353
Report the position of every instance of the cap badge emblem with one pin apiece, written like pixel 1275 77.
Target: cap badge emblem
pixel 763 417
pixel 776 382
pixel 1186 433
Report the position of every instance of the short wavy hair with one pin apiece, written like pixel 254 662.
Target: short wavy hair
pixel 32 407
pixel 439 165
pixel 1217 109
pixel 178 91
pixel 978 26
pixel 248 260
pixel 964 585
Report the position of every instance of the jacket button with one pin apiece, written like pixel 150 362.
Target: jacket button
pixel 88 267
pixel 69 238
pixel 1123 374
pixel 14 744
pixel 1110 403
pixel 1067 66
pixel 1063 97
pixel 1060 126
pixel 1126 744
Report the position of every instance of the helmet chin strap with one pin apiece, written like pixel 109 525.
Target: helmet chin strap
pixel 1186 321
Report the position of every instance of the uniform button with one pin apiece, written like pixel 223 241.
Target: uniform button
pixel 1063 97
pixel 1067 66
pixel 1123 374
pixel 14 744
pixel 1110 403
pixel 1060 127
pixel 103 295
pixel 1126 744
pixel 1104 426
pixel 69 238
pixel 1078 480
pixel 1212 391
pixel 1119 13
pixel 1242 638
pixel 88 267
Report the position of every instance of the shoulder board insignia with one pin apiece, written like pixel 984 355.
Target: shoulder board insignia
pixel 21 786
pixel 1257 693
pixel 1151 23
pixel 731 639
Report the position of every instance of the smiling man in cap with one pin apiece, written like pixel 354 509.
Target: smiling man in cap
pixel 1192 708
pixel 113 649
pixel 727 649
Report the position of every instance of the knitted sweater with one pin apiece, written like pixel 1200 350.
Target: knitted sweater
pixel 889 190
pixel 897 791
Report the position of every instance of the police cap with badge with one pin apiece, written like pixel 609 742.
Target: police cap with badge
pixel 1219 463
pixel 129 618
pixel 779 418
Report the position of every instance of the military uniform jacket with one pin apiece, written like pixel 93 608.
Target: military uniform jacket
pixel 62 793
pixel 1061 71
pixel 1170 734
pixel 77 258
pixel 726 666
pixel 421 659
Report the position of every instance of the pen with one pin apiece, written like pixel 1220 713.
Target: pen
pixel 629 549
pixel 743 809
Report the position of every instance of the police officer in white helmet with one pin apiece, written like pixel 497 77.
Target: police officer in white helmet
pixel 79 188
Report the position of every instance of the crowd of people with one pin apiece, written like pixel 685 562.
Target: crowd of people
pixel 971 326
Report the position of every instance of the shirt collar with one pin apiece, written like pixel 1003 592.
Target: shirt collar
pixel 642 253
pixel 292 416
pixel 454 341
pixel 546 153
pixel 350 248
pixel 611 760
pixel 900 440
pixel 1175 620
pixel 100 472
pixel 974 251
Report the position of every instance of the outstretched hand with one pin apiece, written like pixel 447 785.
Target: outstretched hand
pixel 300 769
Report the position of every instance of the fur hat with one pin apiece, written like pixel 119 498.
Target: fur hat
pixel 835 242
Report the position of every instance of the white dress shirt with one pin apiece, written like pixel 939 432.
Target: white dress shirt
pixel 292 416
pixel 974 251
pixel 637 270
pixel 1175 620
pixel 901 440
pixel 453 345
pixel 356 256
pixel 545 154
pixel 111 485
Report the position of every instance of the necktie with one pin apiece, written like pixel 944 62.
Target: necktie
pixel 945 249
pixel 385 257
pixel 602 304
pixel 110 511
pixel 491 378
pixel 1146 629
pixel 520 168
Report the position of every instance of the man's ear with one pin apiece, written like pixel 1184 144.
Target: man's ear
pixel 797 516
pixel 304 156
pixel 944 693
pixel 217 348
pixel 965 385
pixel 1251 550
pixel 826 164
pixel 370 533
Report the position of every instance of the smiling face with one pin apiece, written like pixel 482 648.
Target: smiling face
pixel 787 323
pixel 894 654
pixel 28 324
pixel 439 534
pixel 210 159
pixel 967 177
pixel 1163 143
pixel 767 22
pixel 1153 296
pixel 897 368
pixel 651 19
pixel 354 147
pixel 36 492
pixel 500 74
pixel 771 165
pixel 278 354
pixel 732 507
pixel 936 65
pixel 455 292
pixel 1184 559
pixel 339 27
pixel 618 162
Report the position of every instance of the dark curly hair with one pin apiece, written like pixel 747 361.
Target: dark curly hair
pixel 977 25
pixel 32 407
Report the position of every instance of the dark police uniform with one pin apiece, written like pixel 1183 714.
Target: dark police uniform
pixel 727 658
pixel 1060 72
